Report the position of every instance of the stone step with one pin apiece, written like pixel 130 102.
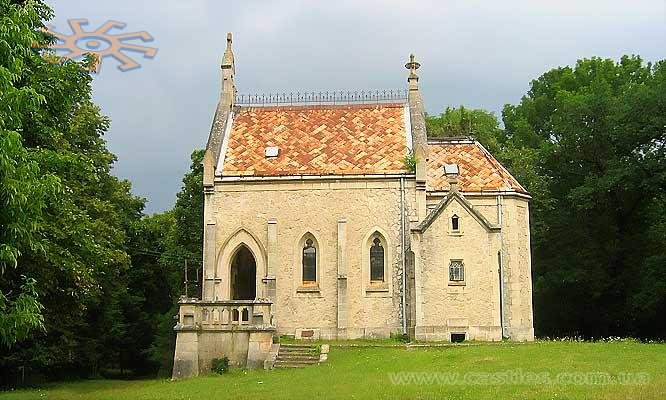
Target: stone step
pixel 299 351
pixel 286 357
pixel 296 356
pixel 297 346
pixel 277 366
pixel 295 363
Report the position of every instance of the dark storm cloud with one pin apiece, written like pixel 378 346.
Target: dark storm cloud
pixel 477 53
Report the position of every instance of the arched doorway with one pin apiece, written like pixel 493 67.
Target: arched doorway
pixel 243 275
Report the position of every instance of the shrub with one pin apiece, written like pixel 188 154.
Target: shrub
pixel 220 365
pixel 410 162
pixel 315 351
pixel 400 337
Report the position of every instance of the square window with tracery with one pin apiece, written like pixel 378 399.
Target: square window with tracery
pixel 456 271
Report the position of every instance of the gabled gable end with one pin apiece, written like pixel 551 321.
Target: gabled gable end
pixel 454 195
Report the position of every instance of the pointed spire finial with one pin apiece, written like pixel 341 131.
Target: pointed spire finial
pixel 228 58
pixel 228 71
pixel 412 66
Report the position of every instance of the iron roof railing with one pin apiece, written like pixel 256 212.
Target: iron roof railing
pixel 316 98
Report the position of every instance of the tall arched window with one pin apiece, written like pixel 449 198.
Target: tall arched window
pixel 455 223
pixel 309 262
pixel 376 261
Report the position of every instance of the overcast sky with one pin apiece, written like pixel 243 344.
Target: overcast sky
pixel 482 54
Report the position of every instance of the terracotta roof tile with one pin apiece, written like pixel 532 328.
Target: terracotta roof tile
pixel 317 140
pixel 478 169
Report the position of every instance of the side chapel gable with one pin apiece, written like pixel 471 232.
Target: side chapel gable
pixel 455 196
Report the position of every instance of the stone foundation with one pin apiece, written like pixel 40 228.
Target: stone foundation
pixel 240 330
pixel 443 333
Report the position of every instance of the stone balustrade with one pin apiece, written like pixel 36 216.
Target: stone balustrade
pixel 224 314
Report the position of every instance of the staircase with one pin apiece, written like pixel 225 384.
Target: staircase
pixel 297 356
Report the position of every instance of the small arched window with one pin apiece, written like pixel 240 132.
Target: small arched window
pixel 376 261
pixel 309 262
pixel 455 223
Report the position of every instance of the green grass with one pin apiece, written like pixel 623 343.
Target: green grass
pixel 363 373
pixel 388 342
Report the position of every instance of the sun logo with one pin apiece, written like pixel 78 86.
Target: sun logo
pixel 101 44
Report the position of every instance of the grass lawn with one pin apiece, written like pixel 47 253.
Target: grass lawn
pixel 365 373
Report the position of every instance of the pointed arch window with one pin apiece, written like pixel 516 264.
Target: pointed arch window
pixel 455 223
pixel 309 262
pixel 377 261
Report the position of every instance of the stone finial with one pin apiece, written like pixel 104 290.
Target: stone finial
pixel 228 72
pixel 228 58
pixel 419 135
pixel 412 66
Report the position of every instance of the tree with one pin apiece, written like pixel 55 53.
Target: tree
pixel 64 216
pixel 23 186
pixel 72 235
pixel 589 143
pixel 151 284
pixel 184 241
pixel 459 122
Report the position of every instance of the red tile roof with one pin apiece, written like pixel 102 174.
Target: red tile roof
pixel 478 169
pixel 317 140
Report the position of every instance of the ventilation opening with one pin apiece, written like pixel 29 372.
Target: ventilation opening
pixel 457 337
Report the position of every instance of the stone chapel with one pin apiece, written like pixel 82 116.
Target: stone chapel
pixel 335 216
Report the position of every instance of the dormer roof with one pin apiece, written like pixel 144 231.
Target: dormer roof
pixel 479 171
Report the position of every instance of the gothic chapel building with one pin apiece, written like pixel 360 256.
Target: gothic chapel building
pixel 337 217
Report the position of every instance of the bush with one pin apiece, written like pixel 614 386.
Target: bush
pixel 400 337
pixel 220 365
pixel 410 162
pixel 315 351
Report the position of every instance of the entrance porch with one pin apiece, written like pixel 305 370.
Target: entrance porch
pixel 241 330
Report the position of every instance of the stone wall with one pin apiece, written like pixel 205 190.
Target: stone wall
pixel 196 349
pixel 209 330
pixel 340 215
pixel 471 306
pixel 274 217
pixel 518 268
